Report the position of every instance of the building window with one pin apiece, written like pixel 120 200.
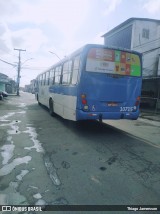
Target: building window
pixel 145 33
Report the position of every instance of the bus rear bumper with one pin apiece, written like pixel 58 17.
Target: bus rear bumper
pixel 81 115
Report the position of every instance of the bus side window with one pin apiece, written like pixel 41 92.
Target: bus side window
pixel 47 78
pixel 58 74
pixel 44 78
pixel 40 78
pixel 38 81
pixel 51 78
pixel 76 64
pixel 67 69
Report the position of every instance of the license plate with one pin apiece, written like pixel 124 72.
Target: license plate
pixel 112 104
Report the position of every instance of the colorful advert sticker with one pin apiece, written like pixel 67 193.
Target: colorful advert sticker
pixel 113 61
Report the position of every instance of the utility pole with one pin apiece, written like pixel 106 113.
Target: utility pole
pixel 19 69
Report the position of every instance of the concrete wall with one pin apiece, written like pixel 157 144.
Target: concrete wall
pixel 149 46
pixel 2 86
pixel 139 41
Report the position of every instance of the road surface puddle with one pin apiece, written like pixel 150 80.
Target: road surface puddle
pixel 22 105
pixel 22 174
pixel 37 196
pixel 14 128
pixel 51 171
pixel 3 118
pixel 13 124
pixel 7 153
pixel 33 136
pixel 6 169
pixel 11 196
pixel 6 116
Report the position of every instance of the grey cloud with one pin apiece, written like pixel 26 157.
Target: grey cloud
pixel 8 7
pixel 3 47
pixel 17 41
pixel 2 29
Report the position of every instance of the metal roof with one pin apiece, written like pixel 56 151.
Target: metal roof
pixel 130 21
pixel 3 75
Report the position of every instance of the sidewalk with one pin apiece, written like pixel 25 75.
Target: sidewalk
pixel 150 116
pixel 147 127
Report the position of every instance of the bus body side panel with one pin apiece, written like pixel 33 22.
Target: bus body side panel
pixel 43 95
pixel 65 100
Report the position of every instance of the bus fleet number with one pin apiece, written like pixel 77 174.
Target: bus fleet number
pixel 127 108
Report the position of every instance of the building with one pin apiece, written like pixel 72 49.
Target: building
pixel 142 35
pixel 32 83
pixel 7 84
pixel 11 87
pixel 3 81
pixel 31 87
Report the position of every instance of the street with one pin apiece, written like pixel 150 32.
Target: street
pixel 49 160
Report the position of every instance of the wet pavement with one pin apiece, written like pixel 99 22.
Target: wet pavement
pixel 45 160
pixel 18 144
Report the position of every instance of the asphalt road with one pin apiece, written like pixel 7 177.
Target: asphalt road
pixel 48 160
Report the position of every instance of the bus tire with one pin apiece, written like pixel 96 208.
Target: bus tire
pixel 38 100
pixel 51 110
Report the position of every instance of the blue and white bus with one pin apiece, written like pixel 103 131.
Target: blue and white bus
pixel 96 82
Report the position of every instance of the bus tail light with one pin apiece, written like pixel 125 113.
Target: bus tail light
pixel 138 98
pixel 137 101
pixel 83 97
pixel 84 101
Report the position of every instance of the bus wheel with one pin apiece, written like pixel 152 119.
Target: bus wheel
pixel 38 100
pixel 51 111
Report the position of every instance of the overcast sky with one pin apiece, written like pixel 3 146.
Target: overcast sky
pixel 60 26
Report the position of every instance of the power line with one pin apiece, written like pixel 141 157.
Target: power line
pixel 35 68
pixel 8 62
pixel 147 43
pixel 145 52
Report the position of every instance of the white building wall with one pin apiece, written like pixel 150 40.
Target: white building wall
pixel 150 47
pixel 144 44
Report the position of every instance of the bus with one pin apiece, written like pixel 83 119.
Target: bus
pixel 95 82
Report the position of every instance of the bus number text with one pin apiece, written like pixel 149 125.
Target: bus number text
pixel 127 108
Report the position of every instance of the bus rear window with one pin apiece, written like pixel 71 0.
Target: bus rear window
pixel 110 61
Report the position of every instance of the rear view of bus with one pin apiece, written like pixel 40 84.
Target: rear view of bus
pixel 110 84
